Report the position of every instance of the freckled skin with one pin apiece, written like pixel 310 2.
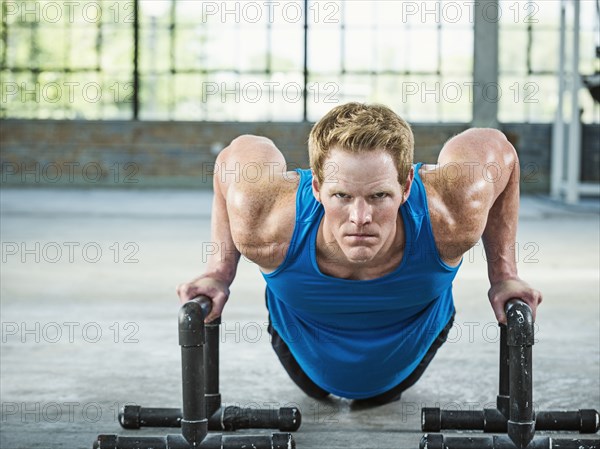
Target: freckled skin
pixel 472 193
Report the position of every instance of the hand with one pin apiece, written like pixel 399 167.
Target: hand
pixel 503 291
pixel 215 289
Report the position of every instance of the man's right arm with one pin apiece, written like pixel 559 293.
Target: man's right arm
pixel 243 201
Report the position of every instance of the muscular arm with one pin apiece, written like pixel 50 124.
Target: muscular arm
pixel 500 232
pixel 246 179
pixel 243 174
pixel 483 202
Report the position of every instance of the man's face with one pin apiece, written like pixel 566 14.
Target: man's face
pixel 361 196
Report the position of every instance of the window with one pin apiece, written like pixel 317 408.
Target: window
pixel 529 58
pixel 415 57
pixel 66 60
pixel 256 61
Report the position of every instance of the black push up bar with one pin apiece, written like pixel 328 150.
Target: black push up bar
pixel 514 414
pixel 219 418
pixel 200 376
pixel 438 441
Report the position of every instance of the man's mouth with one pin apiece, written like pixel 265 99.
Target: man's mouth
pixel 360 236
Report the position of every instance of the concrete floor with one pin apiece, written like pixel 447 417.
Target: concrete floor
pixel 89 322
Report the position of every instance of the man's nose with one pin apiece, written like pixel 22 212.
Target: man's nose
pixel 361 213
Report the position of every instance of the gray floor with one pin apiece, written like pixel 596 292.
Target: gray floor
pixel 89 322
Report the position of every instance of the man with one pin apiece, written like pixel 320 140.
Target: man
pixel 359 253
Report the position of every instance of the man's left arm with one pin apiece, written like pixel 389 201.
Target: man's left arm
pixel 499 237
pixel 492 193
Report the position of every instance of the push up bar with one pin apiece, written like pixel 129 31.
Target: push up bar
pixel 490 420
pixel 219 418
pixel 438 441
pixel 194 422
pixel 514 414
pixel 224 418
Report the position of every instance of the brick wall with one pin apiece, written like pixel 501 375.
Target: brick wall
pixel 144 154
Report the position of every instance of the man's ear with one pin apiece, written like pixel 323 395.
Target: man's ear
pixel 316 188
pixel 408 184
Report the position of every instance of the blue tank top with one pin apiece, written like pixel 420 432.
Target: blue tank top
pixel 360 338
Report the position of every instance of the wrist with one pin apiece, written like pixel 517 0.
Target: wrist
pixel 497 278
pixel 502 271
pixel 220 275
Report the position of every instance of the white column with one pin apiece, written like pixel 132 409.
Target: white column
pixel 558 135
pixel 574 156
pixel 485 64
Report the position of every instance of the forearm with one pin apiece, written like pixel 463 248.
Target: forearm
pixel 490 210
pixel 220 253
pixel 244 204
pixel 499 236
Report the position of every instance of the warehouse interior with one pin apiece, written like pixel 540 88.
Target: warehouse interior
pixel 112 114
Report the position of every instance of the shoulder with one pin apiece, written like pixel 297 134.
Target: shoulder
pixel 473 167
pixel 472 170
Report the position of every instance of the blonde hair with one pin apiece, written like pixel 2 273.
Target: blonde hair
pixel 356 128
